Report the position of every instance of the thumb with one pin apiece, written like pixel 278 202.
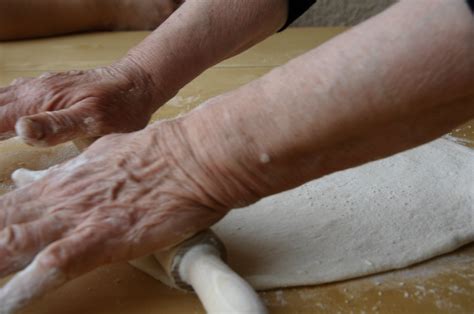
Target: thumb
pixel 22 177
pixel 55 127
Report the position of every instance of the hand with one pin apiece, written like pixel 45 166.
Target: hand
pixel 57 107
pixel 126 196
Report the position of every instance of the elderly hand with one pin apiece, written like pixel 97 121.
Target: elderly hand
pixel 127 195
pixel 57 107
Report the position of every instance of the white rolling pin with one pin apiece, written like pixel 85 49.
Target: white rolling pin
pixel 197 264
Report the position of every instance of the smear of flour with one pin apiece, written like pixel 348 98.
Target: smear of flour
pixel 28 284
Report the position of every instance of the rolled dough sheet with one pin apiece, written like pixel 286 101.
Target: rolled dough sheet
pixel 384 215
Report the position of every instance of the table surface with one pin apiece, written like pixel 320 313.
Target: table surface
pixel 444 284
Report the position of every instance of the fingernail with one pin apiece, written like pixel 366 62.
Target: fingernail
pixel 29 129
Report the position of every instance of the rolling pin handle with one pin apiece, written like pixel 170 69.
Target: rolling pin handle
pixel 219 288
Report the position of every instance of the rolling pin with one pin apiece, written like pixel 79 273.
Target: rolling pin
pixel 196 264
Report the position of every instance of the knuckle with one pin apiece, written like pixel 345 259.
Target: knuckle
pixel 92 233
pixel 57 257
pixel 47 75
pixel 75 72
pixel 98 123
pixel 47 102
pixel 12 238
pixel 19 81
pixel 94 121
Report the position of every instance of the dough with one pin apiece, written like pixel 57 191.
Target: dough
pixel 384 215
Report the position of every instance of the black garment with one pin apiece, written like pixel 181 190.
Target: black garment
pixel 295 9
pixel 470 3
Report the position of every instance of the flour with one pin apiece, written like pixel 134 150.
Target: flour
pixel 264 158
pixel 18 291
pixel 22 177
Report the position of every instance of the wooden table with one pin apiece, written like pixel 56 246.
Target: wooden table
pixel 442 285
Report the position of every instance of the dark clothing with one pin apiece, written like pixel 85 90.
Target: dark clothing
pixel 470 3
pixel 295 9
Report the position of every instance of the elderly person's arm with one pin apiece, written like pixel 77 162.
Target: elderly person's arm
pixel 22 19
pixel 54 108
pixel 401 79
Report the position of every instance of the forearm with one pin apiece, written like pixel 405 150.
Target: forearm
pixel 26 18
pixel 21 19
pixel 392 83
pixel 200 34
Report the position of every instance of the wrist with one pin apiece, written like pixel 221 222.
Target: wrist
pixel 228 151
pixel 167 69
pixel 170 142
pixel 153 92
pixel 202 165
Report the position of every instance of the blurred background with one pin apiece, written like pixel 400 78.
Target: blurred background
pixel 341 12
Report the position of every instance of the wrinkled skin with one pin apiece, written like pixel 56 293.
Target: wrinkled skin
pixel 57 107
pixel 127 195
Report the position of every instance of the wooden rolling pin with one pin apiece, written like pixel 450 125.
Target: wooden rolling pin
pixel 196 264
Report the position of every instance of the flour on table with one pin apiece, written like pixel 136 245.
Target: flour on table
pixel 384 215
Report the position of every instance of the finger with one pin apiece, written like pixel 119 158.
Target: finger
pixel 54 266
pixel 21 80
pixel 7 93
pixel 6 89
pixel 20 214
pixel 22 177
pixel 27 285
pixel 19 243
pixel 18 197
pixel 55 127
pixel 83 143
pixel 18 209
pixel 7 98
pixel 8 116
